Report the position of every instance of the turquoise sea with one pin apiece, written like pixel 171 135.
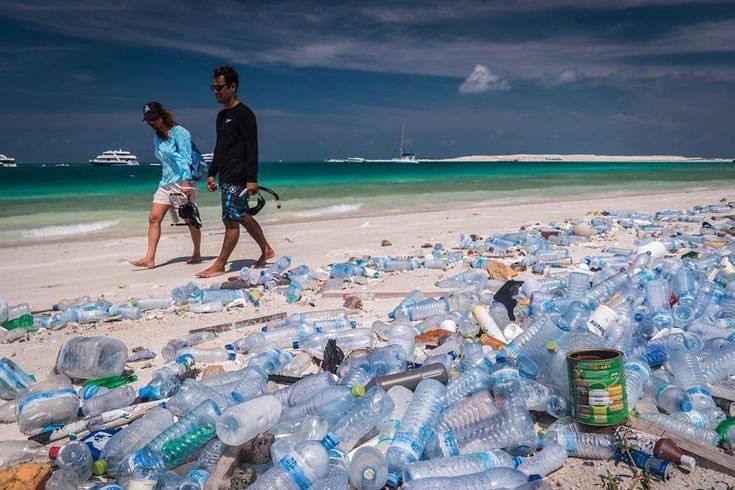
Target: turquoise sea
pixel 61 203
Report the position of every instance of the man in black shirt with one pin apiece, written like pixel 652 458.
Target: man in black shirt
pixel 236 162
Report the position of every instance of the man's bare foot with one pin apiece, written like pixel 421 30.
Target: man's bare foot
pixel 268 253
pixel 195 259
pixel 211 271
pixel 144 262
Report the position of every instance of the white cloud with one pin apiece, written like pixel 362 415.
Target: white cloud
pixel 482 79
pixel 569 76
pixel 83 77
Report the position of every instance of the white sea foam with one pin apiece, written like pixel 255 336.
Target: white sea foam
pixel 334 209
pixel 73 229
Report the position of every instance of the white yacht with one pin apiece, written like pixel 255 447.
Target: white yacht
pixel 7 161
pixel 115 157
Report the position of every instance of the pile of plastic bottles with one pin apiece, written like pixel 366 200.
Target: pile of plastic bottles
pixel 442 392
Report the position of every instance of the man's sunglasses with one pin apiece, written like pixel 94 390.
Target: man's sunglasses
pixel 217 88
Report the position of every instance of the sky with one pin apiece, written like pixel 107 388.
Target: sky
pixel 329 79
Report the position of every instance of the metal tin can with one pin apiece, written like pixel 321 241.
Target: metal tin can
pixel 597 384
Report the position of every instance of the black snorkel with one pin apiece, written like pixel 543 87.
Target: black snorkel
pixel 260 200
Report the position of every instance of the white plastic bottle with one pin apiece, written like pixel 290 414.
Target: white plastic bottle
pixel 242 422
pixel 92 357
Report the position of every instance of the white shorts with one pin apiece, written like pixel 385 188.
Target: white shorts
pixel 172 195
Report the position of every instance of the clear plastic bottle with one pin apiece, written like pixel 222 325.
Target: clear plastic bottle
pixel 92 357
pixel 309 386
pixel 299 469
pixel 491 478
pixel 19 316
pixel 291 433
pixel 464 464
pixel 253 381
pixel 368 470
pixel 119 397
pixel 191 394
pixel 416 426
pixel 146 304
pixel 65 304
pixel 181 439
pixel 12 379
pixel 338 476
pixel 45 403
pixel 91 315
pixel 206 356
pixel 681 428
pixel 136 435
pixel 657 298
pixel 367 412
pixel 74 456
pixel 358 338
pixel 512 428
pixel 669 397
pixel 282 337
pixel 242 422
pixel 426 308
pixel 636 378
pixel 578 283
pixel 14 453
pixel 329 401
pixel 587 445
pixel 54 322
pixel 720 365
pixel 469 411
pixel 549 459
pixel 126 312
pixel 208 307
pixel 173 346
pixel 206 462
pixel 403 335
pixel 466 383
pixel 388 428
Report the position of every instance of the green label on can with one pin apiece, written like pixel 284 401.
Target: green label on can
pixel 597 384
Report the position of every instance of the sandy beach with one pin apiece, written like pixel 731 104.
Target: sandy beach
pixel 40 274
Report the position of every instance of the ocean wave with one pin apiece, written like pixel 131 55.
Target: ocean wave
pixel 334 209
pixel 73 229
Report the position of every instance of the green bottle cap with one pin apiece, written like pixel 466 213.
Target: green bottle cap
pixel 99 467
pixel 358 391
pixel 724 427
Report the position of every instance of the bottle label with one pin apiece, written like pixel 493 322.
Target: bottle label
pixel 696 418
pixel 97 440
pixel 568 441
pixel 448 443
pixel 141 484
pixel 201 476
pixel 339 456
pixel 295 472
pixel 89 391
pixel 389 429
pixel 407 442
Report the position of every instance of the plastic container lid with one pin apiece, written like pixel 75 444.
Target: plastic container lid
pixel 358 391
pixel 53 452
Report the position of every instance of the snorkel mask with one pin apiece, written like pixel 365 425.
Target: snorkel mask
pixel 256 202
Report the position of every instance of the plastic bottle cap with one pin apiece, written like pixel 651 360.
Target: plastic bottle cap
pixel 724 427
pixel 231 356
pixel 393 480
pixel 99 467
pixel 145 392
pixel 688 461
pixel 686 406
pixel 358 391
pixel 230 346
pixel 552 346
pixel 72 437
pixel 53 452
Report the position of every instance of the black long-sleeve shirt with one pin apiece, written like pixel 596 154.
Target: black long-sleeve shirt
pixel 236 152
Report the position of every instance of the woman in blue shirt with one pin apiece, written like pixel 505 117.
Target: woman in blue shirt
pixel 172 143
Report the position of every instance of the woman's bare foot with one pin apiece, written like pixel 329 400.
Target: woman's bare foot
pixel 267 254
pixel 144 262
pixel 215 269
pixel 195 259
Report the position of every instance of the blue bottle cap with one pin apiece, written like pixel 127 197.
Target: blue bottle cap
pixel 230 346
pixel 686 406
pixel 330 441
pixel 231 356
pixel 393 480
pixel 146 392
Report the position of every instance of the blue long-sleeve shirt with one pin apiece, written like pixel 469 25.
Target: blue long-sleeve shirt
pixel 175 155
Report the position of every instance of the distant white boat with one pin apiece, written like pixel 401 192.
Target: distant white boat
pixel 207 157
pixel 114 158
pixel 154 164
pixel 401 156
pixel 7 161
pixel 61 165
